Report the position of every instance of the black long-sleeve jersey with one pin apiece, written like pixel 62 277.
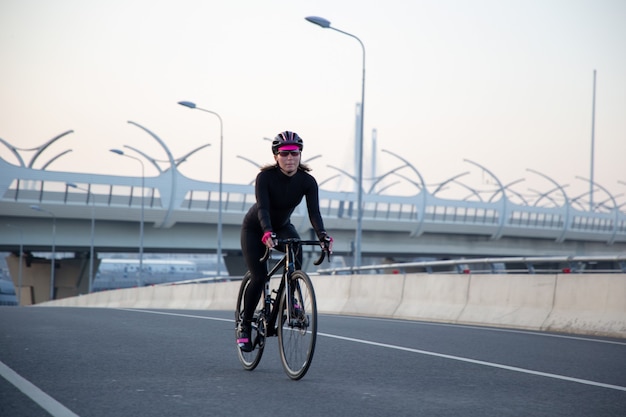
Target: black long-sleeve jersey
pixel 277 197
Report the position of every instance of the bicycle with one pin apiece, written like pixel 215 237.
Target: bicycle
pixel 295 301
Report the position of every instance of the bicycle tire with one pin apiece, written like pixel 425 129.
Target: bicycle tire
pixel 297 332
pixel 250 360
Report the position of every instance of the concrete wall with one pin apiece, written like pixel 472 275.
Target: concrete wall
pixel 593 304
pixel 71 277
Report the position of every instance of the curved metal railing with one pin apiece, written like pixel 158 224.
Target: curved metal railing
pixel 417 214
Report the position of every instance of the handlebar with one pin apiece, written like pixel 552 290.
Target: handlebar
pixel 298 242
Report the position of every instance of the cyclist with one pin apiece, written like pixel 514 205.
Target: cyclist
pixel 279 190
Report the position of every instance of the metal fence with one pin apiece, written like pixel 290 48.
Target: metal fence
pixel 529 265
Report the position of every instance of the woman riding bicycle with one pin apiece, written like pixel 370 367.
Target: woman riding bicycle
pixel 279 190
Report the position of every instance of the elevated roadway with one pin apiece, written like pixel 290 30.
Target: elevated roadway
pixel 181 214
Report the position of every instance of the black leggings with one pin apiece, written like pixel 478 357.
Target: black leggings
pixel 253 250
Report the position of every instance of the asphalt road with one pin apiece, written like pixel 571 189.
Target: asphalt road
pixel 108 362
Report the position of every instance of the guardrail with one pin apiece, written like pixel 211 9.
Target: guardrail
pixel 533 265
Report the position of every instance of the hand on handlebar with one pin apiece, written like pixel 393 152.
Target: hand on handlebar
pixel 327 243
pixel 269 239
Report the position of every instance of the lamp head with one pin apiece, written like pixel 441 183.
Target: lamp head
pixel 117 151
pixel 187 104
pixel 320 21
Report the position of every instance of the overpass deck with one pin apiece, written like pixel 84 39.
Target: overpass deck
pixel 174 202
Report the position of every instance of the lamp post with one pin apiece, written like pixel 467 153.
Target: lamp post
pixel 93 228
pixel 19 273
pixel 191 105
pixel 143 178
pixel 53 255
pixel 320 21
pixel 593 139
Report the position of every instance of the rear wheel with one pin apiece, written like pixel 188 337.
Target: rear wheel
pixel 250 360
pixel 297 325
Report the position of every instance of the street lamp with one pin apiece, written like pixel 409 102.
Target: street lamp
pixel 19 274
pixel 93 227
pixel 53 255
pixel 320 21
pixel 593 139
pixel 191 105
pixel 143 178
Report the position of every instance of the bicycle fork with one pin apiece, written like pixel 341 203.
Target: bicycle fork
pixel 296 310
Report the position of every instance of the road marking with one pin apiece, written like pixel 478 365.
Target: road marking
pixel 193 316
pixel 423 352
pixel 52 406
pixel 477 362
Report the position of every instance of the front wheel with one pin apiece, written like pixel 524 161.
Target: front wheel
pixel 297 325
pixel 250 360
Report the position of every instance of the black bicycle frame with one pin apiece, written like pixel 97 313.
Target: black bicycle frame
pixel 289 260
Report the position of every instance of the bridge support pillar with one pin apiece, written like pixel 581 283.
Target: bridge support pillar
pixel 235 264
pixel 71 277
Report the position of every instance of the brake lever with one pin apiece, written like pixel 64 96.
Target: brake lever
pixel 266 256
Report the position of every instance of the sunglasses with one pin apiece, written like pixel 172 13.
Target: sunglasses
pixel 285 154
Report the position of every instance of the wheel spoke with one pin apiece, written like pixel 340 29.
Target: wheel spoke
pixel 297 330
pixel 250 360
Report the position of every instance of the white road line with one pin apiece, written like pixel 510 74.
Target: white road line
pixel 477 362
pixel 425 352
pixel 176 314
pixel 52 406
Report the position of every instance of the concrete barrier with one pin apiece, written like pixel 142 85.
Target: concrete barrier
pixel 590 304
pixel 521 301
pixel 373 295
pixel 573 303
pixel 331 292
pixel 224 296
pixel 433 297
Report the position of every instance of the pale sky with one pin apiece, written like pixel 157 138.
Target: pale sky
pixel 506 84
